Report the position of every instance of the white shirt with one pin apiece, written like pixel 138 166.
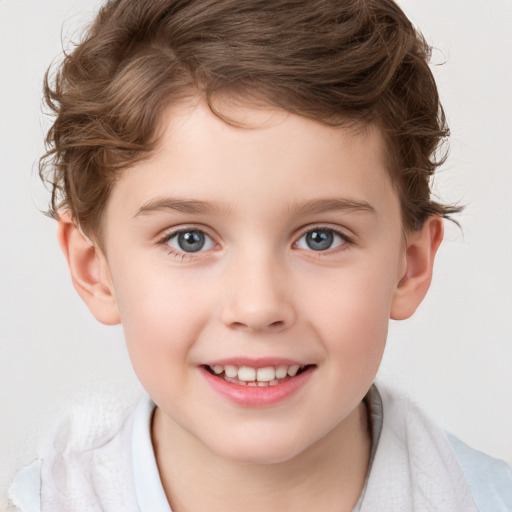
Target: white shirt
pixel 414 466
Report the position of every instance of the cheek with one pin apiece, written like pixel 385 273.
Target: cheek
pixel 356 331
pixel 161 320
pixel 351 314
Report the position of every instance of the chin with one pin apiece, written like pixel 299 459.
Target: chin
pixel 261 451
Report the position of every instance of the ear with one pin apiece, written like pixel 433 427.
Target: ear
pixel 89 271
pixel 420 252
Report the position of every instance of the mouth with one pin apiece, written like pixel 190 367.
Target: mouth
pixel 266 376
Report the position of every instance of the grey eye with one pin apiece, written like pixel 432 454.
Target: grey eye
pixel 320 240
pixel 190 240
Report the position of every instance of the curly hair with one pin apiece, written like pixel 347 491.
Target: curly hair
pixel 334 61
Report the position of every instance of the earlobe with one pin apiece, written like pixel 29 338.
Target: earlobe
pixel 89 271
pixel 420 253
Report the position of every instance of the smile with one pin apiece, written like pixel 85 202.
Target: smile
pixel 262 377
pixel 261 385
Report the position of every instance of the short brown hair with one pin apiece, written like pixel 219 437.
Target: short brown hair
pixel 333 61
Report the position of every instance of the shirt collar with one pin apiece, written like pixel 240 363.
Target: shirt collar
pixel 148 486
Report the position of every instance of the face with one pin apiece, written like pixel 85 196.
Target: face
pixel 254 271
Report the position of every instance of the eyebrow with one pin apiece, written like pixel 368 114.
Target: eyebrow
pixel 178 205
pixel 313 207
pixel 332 204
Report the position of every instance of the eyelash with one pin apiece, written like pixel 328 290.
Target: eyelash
pixel 346 240
pixel 182 255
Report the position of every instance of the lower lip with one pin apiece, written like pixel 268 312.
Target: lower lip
pixel 257 396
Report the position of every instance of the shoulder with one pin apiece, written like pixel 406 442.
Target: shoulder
pixel 85 464
pixel 489 479
pixel 427 458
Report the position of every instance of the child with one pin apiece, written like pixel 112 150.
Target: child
pixel 244 185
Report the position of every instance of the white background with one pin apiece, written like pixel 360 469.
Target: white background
pixel 454 356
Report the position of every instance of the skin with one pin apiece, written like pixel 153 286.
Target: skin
pixel 256 290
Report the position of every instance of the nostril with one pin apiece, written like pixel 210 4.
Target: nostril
pixel 279 324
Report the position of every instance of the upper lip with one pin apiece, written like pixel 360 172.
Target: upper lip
pixel 260 362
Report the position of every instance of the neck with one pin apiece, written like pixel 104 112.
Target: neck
pixel 328 476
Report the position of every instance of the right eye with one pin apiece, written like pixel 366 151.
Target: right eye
pixel 189 241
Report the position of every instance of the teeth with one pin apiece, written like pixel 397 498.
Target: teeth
pixel 231 371
pixel 292 370
pixel 246 374
pixel 281 372
pixel 267 376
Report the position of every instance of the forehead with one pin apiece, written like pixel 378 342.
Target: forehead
pixel 261 155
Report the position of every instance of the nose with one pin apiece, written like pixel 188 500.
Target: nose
pixel 258 295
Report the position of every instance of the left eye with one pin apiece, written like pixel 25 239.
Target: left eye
pixel 320 240
pixel 190 240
